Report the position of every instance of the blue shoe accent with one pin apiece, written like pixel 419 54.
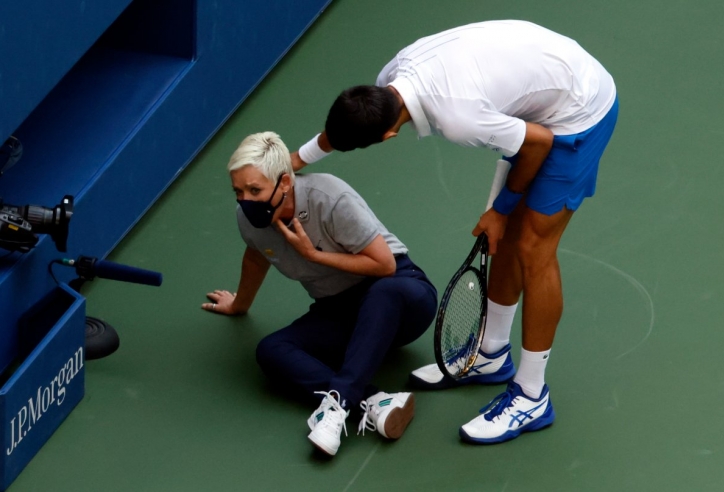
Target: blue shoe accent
pixel 516 421
pixel 430 377
pixel 502 375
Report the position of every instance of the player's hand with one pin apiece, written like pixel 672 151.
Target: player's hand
pixel 222 302
pixel 297 162
pixel 493 225
pixel 297 238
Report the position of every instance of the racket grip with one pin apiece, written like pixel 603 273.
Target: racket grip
pixel 501 173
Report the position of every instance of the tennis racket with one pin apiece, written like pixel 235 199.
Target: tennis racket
pixel 460 323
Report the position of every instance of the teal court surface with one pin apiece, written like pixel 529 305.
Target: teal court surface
pixel 635 373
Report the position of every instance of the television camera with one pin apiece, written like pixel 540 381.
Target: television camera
pixel 19 225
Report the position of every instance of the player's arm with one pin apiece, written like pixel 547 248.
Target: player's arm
pixel 536 146
pixel 312 151
pixel 254 267
pixel 375 260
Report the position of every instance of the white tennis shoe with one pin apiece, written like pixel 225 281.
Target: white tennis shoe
pixel 387 413
pixel 327 423
pixel 509 415
pixel 488 369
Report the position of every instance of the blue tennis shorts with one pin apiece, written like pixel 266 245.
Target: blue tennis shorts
pixel 568 175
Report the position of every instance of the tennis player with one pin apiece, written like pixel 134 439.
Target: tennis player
pixel 550 108
pixel 368 295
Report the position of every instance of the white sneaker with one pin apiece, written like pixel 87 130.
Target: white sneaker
pixel 327 423
pixel 388 413
pixel 488 369
pixel 509 415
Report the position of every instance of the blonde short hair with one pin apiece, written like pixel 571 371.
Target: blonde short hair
pixel 266 152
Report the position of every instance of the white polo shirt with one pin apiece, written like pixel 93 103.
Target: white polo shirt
pixel 478 84
pixel 335 218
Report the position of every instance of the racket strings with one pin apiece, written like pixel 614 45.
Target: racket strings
pixel 462 320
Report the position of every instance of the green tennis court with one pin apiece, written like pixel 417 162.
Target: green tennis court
pixel 635 373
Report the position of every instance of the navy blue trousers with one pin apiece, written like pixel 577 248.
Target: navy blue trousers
pixel 341 342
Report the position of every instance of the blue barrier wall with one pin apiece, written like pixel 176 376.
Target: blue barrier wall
pixel 111 100
pixel 40 41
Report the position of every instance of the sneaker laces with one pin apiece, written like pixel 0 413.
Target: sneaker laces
pixel 366 422
pixel 334 406
pixel 499 404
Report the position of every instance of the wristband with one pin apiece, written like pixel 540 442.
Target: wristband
pixel 506 201
pixel 311 152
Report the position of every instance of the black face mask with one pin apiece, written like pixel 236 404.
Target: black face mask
pixel 259 213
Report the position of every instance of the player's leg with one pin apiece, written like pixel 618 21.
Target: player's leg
pixel 542 294
pixel 542 290
pixel 525 405
pixel 505 284
pixel 567 176
pixel 494 364
pixel 505 281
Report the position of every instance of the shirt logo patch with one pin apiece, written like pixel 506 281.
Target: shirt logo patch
pixel 269 252
pixel 303 215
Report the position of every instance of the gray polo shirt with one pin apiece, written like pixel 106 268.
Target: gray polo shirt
pixel 335 218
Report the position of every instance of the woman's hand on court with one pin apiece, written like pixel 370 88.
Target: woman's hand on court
pixel 297 238
pixel 493 224
pixel 222 302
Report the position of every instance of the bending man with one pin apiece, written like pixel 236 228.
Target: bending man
pixel 550 108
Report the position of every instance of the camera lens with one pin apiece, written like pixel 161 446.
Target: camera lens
pixel 42 219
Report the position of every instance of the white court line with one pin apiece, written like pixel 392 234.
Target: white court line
pixel 369 457
pixel 637 285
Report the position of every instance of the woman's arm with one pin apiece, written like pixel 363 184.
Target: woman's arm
pixel 253 271
pixel 375 260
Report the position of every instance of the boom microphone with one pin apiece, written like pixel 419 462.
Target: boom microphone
pixel 88 268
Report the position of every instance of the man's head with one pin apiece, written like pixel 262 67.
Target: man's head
pixel 362 116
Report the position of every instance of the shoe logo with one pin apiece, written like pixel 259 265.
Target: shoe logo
pixel 319 416
pixel 477 368
pixel 521 417
pixel 386 402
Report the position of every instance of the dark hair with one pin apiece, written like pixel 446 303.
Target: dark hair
pixel 360 117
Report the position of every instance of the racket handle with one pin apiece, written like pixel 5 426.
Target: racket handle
pixel 501 173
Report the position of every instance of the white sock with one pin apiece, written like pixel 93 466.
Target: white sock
pixel 531 372
pixel 497 327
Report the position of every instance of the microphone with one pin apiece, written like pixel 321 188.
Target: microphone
pixel 88 268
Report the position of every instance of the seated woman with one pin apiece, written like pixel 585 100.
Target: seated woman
pixel 368 295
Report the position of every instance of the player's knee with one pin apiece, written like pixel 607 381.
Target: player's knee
pixel 533 252
pixel 525 248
